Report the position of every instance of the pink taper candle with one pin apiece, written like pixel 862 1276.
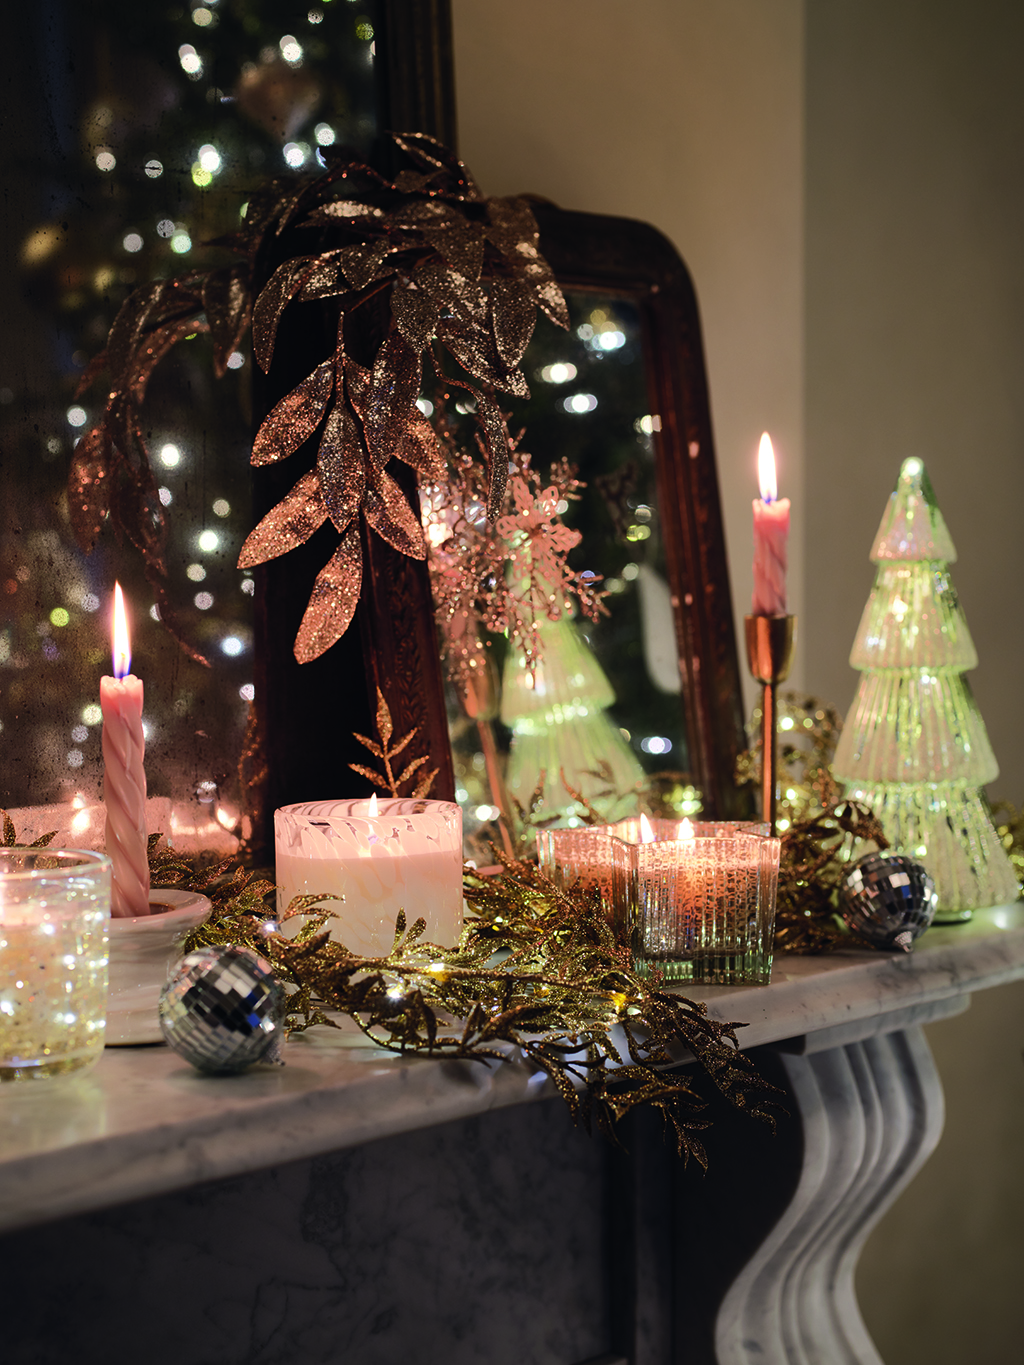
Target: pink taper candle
pixel 124 778
pixel 771 531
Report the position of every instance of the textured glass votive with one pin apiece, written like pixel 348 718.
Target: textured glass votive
pixel 698 909
pixel 54 913
pixel 594 857
pixel 407 856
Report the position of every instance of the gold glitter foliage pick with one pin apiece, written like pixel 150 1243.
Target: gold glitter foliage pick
pixel 537 975
pixel 463 277
pixel 386 752
pixel 816 856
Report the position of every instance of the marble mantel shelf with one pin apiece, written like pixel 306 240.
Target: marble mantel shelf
pixel 144 1123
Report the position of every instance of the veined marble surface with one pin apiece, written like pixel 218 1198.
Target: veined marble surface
pixel 144 1122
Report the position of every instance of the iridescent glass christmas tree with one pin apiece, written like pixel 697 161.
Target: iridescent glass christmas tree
pixel 557 711
pixel 914 747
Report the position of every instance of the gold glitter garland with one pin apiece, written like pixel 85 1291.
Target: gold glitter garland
pixel 464 277
pixel 537 974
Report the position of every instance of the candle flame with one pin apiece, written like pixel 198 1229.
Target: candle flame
pixel 646 832
pixel 372 812
pixel 686 829
pixel 766 469
pixel 122 645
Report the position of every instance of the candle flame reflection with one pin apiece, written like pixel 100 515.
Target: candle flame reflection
pixel 122 647
pixel 372 811
pixel 686 829
pixel 766 469
pixel 646 832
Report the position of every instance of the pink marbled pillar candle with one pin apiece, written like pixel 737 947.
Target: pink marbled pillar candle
pixel 124 777
pixel 771 531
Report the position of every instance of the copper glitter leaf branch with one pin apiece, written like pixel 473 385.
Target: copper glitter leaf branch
pixel 463 275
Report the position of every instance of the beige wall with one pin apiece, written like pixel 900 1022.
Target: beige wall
pixel 915 318
pixel 687 115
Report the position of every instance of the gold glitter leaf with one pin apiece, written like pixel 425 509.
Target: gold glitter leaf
pixel 388 512
pixel 324 281
pixel 411 768
pixel 419 212
pixel 295 417
pixel 461 244
pixel 496 438
pixel 391 395
pixel 333 601
pixel 421 450
pixel 370 744
pixel 225 295
pixel 89 487
pixel 431 154
pixel 155 347
pixel 285 282
pixel 128 327
pixel 408 182
pixel 341 465
pixel 474 348
pixel 287 525
pixel 415 313
pixel 514 315
pixel 345 208
pixel 547 293
pixel 385 725
pixel 448 288
pixel 361 263
pixel 378 779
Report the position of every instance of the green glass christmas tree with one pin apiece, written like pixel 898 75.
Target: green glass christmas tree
pixel 914 747
pixel 557 712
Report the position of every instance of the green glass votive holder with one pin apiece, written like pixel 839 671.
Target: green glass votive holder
pixel 54 917
pixel 695 907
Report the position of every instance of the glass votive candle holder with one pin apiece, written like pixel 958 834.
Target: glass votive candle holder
pixel 54 913
pixel 399 854
pixel 694 900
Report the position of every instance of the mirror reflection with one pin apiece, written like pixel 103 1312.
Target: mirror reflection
pixel 600 714
pixel 136 134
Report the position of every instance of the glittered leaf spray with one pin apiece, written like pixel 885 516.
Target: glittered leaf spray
pixel 463 276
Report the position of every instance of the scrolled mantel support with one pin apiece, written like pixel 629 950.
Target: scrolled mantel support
pixel 871 1111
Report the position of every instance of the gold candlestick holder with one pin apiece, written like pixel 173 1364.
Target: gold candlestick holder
pixel 769 653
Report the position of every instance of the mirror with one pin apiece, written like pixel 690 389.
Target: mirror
pixel 645 698
pixel 135 134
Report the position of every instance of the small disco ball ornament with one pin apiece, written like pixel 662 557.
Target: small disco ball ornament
pixel 889 899
pixel 223 1009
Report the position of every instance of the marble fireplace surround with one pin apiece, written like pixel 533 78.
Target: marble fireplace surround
pixel 844 1031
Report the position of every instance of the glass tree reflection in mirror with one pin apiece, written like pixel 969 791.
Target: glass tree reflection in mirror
pixel 603 707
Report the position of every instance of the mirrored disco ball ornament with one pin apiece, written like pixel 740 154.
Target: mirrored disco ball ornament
pixel 223 1009
pixel 889 899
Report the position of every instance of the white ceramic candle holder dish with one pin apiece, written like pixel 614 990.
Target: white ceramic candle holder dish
pixel 142 952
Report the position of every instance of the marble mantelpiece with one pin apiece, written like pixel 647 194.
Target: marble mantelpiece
pixel 144 1123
